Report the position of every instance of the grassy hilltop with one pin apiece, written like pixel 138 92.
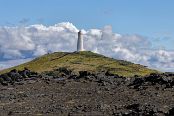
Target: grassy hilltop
pixel 83 61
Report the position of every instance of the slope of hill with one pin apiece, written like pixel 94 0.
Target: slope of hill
pixel 59 91
pixel 83 61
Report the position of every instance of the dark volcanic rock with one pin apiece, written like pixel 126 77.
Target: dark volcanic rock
pixel 171 112
pixel 64 70
pixel 63 92
pixel 17 77
pixel 153 79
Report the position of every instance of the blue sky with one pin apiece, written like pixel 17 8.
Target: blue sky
pixel 151 18
pixel 143 21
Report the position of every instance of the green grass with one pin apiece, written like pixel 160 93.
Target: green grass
pixel 83 61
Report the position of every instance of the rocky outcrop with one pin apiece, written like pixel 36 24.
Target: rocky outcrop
pixel 63 92
pixel 165 80
pixel 17 77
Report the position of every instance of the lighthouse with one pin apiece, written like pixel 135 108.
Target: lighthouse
pixel 80 42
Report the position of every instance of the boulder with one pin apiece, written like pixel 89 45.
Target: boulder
pixel 171 112
pixel 6 77
pixel 84 73
pixel 64 70
pixel 15 76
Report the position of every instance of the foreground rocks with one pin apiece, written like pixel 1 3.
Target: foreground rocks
pixel 63 92
pixel 17 77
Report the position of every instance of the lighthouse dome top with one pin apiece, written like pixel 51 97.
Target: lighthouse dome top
pixel 80 31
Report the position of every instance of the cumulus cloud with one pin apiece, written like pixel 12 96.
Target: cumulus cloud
pixel 11 63
pixel 18 43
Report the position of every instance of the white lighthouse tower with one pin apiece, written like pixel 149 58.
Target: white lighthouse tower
pixel 80 42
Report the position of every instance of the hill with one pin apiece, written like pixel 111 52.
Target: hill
pixel 83 61
pixel 59 91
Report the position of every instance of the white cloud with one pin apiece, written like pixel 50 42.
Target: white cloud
pixel 40 51
pixel 11 63
pixel 18 43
